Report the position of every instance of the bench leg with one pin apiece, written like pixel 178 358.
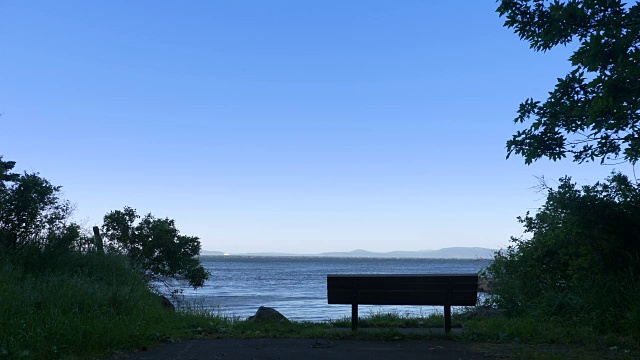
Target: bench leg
pixel 354 317
pixel 447 319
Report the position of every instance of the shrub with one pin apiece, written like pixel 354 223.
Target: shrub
pixel 583 259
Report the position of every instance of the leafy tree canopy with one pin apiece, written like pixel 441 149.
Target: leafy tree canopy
pixel 5 175
pixel 35 227
pixel 594 111
pixel 32 213
pixel 155 246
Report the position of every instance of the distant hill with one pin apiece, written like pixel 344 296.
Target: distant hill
pixel 445 253
pixel 272 254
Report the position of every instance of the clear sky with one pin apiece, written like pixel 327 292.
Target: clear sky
pixel 293 126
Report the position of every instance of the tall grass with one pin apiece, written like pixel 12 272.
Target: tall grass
pixel 82 305
pixel 390 319
pixel 606 304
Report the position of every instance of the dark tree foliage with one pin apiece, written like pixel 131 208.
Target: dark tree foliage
pixel 35 229
pixel 32 214
pixel 594 111
pixel 583 258
pixel 5 175
pixel 155 246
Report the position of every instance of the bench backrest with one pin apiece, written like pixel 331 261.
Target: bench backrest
pixel 383 289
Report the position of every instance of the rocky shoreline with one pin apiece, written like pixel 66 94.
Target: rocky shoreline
pixel 485 285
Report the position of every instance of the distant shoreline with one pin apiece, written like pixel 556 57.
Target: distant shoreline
pixel 342 257
pixel 466 253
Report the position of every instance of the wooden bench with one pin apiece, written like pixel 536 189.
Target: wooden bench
pixel 385 289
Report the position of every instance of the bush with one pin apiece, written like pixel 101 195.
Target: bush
pixel 582 262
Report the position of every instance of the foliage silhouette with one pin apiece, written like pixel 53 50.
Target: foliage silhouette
pixel 583 259
pixel 155 246
pixel 35 227
pixel 594 111
pixel 32 214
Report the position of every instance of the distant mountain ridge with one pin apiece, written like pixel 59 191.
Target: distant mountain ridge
pixel 444 253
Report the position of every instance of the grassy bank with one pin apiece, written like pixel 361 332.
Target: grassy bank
pixel 81 306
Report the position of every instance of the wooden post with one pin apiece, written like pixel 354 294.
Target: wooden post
pixel 447 308
pixel 354 317
pixel 98 238
pixel 447 319
pixel 354 306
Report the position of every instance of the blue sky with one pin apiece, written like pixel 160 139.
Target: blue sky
pixel 296 126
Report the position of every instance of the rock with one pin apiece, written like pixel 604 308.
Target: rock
pixel 485 312
pixel 485 285
pixel 267 314
pixel 166 303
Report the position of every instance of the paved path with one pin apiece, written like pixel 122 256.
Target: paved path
pixel 306 349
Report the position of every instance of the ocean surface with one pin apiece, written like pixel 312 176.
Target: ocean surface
pixel 297 286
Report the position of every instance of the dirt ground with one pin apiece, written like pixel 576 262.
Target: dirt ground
pixel 307 349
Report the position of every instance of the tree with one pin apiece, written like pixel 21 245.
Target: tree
pixel 584 248
pixel 32 212
pixel 155 246
pixel 35 227
pixel 594 111
pixel 5 175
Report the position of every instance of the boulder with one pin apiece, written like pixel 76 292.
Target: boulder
pixel 485 285
pixel 267 314
pixel 166 303
pixel 485 312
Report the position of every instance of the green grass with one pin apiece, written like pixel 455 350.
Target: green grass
pixel 395 320
pixel 83 306
pixel 528 330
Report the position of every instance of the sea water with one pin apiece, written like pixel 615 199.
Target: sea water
pixel 296 286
